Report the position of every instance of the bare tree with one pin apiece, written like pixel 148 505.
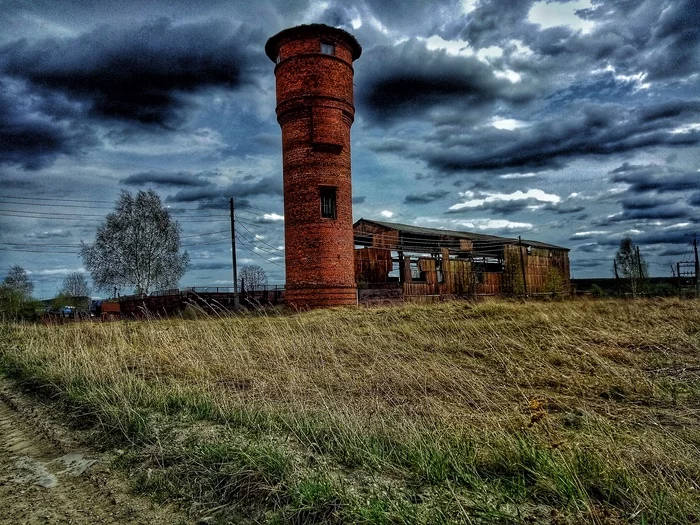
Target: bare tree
pixel 631 264
pixel 253 278
pixel 17 281
pixel 138 246
pixel 16 294
pixel 74 290
pixel 75 285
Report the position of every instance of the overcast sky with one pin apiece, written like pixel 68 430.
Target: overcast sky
pixel 574 123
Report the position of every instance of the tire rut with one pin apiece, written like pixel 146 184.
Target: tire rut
pixel 47 476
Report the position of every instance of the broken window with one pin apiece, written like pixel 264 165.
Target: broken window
pixel 328 207
pixel 416 274
pixel 327 49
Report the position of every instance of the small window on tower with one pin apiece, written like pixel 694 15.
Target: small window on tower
pixel 327 49
pixel 328 210
pixel 279 59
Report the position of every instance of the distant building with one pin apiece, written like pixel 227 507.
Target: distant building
pixel 397 261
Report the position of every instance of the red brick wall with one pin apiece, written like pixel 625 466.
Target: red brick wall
pixel 315 110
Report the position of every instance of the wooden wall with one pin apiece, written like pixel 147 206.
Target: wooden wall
pixel 372 265
pixel 546 270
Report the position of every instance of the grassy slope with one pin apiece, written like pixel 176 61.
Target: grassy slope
pixel 462 412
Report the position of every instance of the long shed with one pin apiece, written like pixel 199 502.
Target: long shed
pixel 417 263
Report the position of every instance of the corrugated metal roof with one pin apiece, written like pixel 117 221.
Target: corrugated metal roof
pixel 439 232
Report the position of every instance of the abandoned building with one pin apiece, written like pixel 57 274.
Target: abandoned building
pixel 315 110
pixel 397 261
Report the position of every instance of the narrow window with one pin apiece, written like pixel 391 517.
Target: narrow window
pixel 279 59
pixel 328 210
pixel 327 49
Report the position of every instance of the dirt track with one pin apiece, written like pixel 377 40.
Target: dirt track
pixel 47 476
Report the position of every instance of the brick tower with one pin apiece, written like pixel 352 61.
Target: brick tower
pixel 315 111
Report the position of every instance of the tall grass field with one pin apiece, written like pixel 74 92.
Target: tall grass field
pixel 464 412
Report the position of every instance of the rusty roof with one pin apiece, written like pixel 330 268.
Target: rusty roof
pixel 439 232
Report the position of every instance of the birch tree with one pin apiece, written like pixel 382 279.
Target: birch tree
pixel 138 246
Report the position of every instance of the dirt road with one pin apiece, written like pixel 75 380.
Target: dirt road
pixel 48 476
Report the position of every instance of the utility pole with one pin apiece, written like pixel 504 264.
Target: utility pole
pixel 697 266
pixel 522 263
pixel 233 257
pixel 680 282
pixel 641 271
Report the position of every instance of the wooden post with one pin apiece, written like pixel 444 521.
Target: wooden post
pixel 641 271
pixel 697 266
pixel 407 269
pixel 522 263
pixel 617 277
pixel 233 256
pixel 678 272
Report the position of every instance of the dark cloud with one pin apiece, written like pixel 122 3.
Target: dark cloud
pixel 663 212
pixel 337 16
pixel 139 75
pixel 30 138
pixel 490 21
pixel 652 177
pixel 593 130
pixel 675 42
pixel 675 252
pixel 675 235
pixel 425 198
pixel 660 38
pixel 160 178
pixel 409 81
pixel 213 196
pixel 564 208
pixel 592 247
pixel 588 263
pixel 426 18
pixel 360 199
pixel 645 202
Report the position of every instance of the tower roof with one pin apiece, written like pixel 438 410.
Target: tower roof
pixel 273 42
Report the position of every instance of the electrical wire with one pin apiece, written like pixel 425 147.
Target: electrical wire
pixel 252 250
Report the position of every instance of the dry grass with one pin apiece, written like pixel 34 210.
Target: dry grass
pixel 482 412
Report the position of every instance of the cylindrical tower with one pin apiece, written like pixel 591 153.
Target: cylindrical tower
pixel 315 111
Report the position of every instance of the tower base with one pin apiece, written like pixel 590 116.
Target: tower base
pixel 303 297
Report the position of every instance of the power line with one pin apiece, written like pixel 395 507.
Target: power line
pixel 86 201
pixel 89 218
pixel 261 240
pixel 252 250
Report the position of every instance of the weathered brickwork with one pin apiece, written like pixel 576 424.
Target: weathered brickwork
pixel 315 111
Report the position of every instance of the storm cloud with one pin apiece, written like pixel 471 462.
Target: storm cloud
pixel 409 81
pixel 216 196
pixel 143 75
pixel 425 198
pixel 594 130
pixel 178 179
pixel 652 177
pixel 31 138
